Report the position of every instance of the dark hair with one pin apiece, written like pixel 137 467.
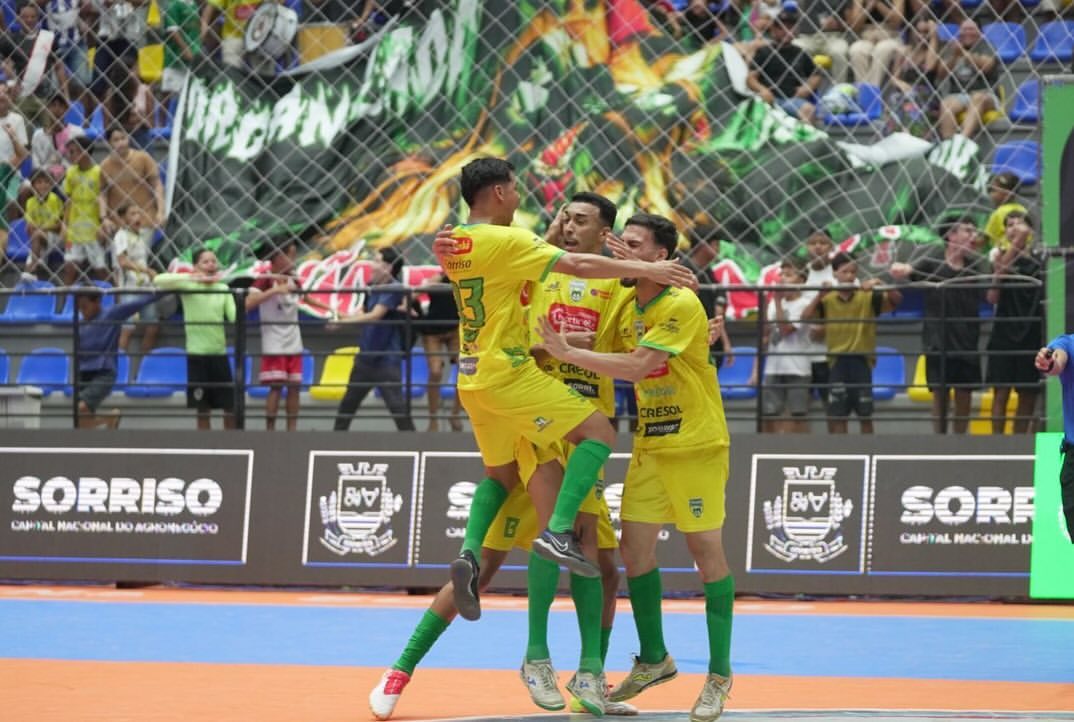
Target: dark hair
pixel 1007 181
pixel 951 222
pixel 122 209
pixel 82 141
pixel 481 173
pixel 841 259
pixel 198 252
pixel 88 293
pixel 606 208
pixel 40 173
pixel 393 258
pixel 1024 215
pixel 663 230
pixel 794 265
pixel 116 128
pixel 820 232
pixel 267 247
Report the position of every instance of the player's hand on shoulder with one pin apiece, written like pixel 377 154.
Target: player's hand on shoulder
pixel 672 273
pixel 444 244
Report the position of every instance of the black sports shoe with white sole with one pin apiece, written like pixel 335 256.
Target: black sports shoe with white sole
pixel 562 548
pixel 464 573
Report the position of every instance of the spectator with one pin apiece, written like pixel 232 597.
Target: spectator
pixel 878 24
pixel 209 382
pixel 383 341
pixel 912 100
pixel 131 255
pixel 236 13
pixel 826 32
pixel 130 176
pixel 44 222
pixel 16 47
pixel 98 340
pixel 440 338
pixel 952 327
pixel 967 73
pixel 281 337
pixel 1018 325
pixel 63 18
pixel 783 73
pixel 182 26
pixel 1002 190
pixel 704 249
pixel 48 145
pixel 86 241
pixel 13 142
pixel 787 372
pixel 121 31
pixel 818 248
pixel 1054 360
pixel 701 23
pixel 850 332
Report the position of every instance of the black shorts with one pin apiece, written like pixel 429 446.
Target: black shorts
pixel 1012 368
pixel 209 383
pixel 821 379
pixel 960 372
pixel 851 379
pixel 94 387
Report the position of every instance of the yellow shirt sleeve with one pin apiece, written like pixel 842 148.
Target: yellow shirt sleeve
pixel 670 324
pixel 526 257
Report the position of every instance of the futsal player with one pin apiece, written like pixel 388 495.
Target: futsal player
pixel 679 466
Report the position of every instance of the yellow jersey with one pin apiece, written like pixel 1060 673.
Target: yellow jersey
pixel 44 214
pixel 578 304
pixel 489 272
pixel 679 404
pixel 83 188
pixel 236 14
pixel 996 228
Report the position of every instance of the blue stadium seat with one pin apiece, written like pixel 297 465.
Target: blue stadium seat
pixel 1021 157
pixel 912 305
pixel 946 32
pixel 162 373
pixel 889 374
pixel 163 119
pixel 1026 106
pixel 26 168
pixel 95 129
pixel 1007 39
pixel 733 379
pixel 419 374
pixel 1055 42
pixel 47 368
pixel 1030 3
pixel 970 4
pixel 29 308
pixel 5 367
pixel 75 115
pixel 260 392
pixel 447 387
pixel 870 102
pixel 18 241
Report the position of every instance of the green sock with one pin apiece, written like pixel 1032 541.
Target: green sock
pixel 645 598
pixel 588 595
pixel 583 468
pixel 605 640
pixel 421 641
pixel 542 578
pixel 719 600
pixel 488 498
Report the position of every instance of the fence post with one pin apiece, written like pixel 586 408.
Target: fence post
pixel 762 306
pixel 942 390
pixel 408 330
pixel 76 348
pixel 239 295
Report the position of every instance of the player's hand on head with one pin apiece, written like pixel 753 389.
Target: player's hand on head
pixel 618 248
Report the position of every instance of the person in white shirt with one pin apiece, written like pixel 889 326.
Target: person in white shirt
pixel 13 151
pixel 132 270
pixel 819 247
pixel 787 366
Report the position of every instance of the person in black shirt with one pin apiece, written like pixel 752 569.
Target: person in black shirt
pixel 704 249
pixel 1018 327
pixel 440 339
pixel 952 325
pixel 783 73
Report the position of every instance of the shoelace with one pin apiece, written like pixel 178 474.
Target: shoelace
pixel 395 683
pixel 711 693
pixel 546 677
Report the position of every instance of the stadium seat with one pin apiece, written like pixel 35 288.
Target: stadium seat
pixel 946 32
pixel 162 373
pixel 912 304
pixel 1030 3
pixel 733 379
pixel 1007 39
pixel 419 374
pixel 1055 42
pixel 1026 106
pixel 10 10
pixel 870 103
pixel 75 115
pixel 29 308
pixel 447 387
pixel 335 374
pixel 918 390
pixel 46 368
pixel 163 119
pixel 260 392
pixel 5 367
pixel 981 424
pixel 95 129
pixel 18 242
pixel 1021 157
pixel 889 374
pixel 26 168
pixel 970 4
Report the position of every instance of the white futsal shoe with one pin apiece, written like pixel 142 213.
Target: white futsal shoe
pixel 709 705
pixel 540 679
pixel 385 695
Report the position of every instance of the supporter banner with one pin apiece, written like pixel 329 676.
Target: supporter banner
pixel 1052 553
pixel 816 515
pixel 81 504
pixel 365 145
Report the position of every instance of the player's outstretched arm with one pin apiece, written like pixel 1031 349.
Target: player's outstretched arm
pixel 590 265
pixel 633 366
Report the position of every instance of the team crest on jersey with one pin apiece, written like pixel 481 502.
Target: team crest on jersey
pixel 671 325
pixel 697 507
pixel 541 423
pixel 577 290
